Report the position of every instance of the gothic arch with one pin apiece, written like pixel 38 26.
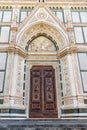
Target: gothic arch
pixel 42 21
pixel 42 28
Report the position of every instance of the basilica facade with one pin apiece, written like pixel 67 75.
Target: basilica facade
pixel 43 59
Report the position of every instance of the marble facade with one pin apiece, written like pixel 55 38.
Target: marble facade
pixel 42 39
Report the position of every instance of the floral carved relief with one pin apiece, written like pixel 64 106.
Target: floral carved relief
pixel 19 76
pixel 41 29
pixel 66 77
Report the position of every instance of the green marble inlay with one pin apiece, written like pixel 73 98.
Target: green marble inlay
pixel 77 110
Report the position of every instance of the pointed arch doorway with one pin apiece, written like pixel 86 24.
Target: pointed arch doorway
pixel 42 92
pixel 42 39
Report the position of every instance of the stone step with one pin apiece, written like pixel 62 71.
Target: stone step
pixel 43 125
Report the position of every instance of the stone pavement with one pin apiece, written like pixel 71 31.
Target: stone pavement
pixel 43 125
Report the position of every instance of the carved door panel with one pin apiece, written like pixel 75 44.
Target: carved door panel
pixel 42 92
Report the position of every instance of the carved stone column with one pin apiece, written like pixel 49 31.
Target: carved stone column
pixel 72 86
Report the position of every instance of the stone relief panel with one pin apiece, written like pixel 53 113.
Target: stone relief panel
pixel 14 76
pixel 72 89
pixel 72 85
pixel 19 85
pixel 41 44
pixel 19 75
pixel 67 90
pixel 67 84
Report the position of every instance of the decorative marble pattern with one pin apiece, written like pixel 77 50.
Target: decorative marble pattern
pixel 19 76
pixel 43 33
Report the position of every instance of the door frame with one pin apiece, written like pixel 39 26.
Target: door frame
pixel 44 111
pixel 55 65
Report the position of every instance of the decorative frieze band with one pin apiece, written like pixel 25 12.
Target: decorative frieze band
pixel 23 53
pixel 60 53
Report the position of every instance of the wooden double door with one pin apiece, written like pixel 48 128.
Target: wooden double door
pixel 42 92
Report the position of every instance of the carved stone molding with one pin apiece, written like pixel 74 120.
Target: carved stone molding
pixel 66 51
pixel 41 29
pixel 17 50
pixel 40 21
pixel 59 53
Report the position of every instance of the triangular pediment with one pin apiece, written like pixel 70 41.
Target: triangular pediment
pixel 41 14
pixel 40 21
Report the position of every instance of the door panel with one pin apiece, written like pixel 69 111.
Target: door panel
pixel 35 92
pixel 42 92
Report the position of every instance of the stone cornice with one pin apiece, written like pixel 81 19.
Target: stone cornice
pixel 72 49
pixel 66 51
pixel 79 24
pixel 60 53
pixel 17 50
pixel 51 1
pixel 55 3
pixel 13 49
pixel 81 48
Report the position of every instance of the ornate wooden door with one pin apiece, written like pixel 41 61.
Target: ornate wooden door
pixel 42 92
